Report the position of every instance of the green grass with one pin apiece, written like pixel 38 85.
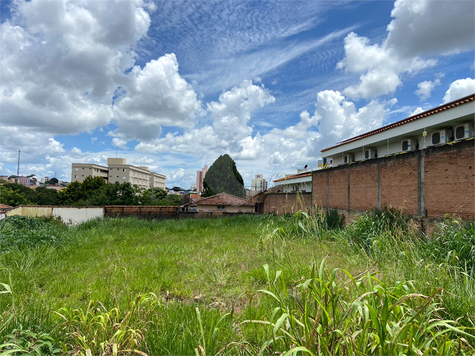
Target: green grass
pixel 241 285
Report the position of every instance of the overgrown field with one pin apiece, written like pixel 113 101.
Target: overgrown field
pixel 250 285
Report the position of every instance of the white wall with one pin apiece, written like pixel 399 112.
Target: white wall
pixel 78 215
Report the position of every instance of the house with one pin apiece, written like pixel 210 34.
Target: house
pixel 300 182
pixel 224 202
pixel 450 122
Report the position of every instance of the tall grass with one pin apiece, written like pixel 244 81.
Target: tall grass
pixel 128 286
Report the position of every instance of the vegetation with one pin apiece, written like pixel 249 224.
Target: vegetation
pixel 91 192
pixel 223 176
pixel 249 285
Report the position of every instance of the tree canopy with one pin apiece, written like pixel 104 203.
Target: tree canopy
pixel 223 176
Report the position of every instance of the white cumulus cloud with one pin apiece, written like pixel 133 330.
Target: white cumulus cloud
pixel 459 89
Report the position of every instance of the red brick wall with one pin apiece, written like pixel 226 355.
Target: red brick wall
pixel 339 189
pixel 364 187
pixel 450 178
pixel 449 184
pixel 290 203
pixel 319 189
pixel 399 184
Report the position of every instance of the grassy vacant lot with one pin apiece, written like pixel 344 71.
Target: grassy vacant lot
pixel 243 285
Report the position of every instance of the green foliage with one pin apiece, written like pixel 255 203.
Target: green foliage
pixel 178 287
pixel 223 176
pixel 336 313
pixel 20 232
pixel 16 194
pixel 28 343
pixel 452 242
pixel 369 227
pixel 45 196
pixel 101 331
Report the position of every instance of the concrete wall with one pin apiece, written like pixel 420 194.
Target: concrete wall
pixel 69 215
pixel 430 183
pixel 79 215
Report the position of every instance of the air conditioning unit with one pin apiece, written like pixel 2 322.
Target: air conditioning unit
pixel 463 131
pixel 349 158
pixel 439 137
pixel 370 153
pixel 408 145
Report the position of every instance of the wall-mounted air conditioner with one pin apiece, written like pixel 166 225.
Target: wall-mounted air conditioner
pixel 370 153
pixel 438 137
pixel 348 158
pixel 408 145
pixel 463 131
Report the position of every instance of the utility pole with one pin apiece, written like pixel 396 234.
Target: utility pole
pixel 18 168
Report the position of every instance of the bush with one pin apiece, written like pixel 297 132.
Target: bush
pixel 388 221
pixel 24 232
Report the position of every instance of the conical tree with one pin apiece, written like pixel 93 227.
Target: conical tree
pixel 223 176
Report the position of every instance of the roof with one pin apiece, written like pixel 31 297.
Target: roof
pixel 4 207
pixel 299 175
pixel 433 111
pixel 224 199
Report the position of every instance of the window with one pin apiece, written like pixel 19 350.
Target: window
pixel 75 176
pixel 125 170
pixel 76 169
pixel 123 177
pixel 221 207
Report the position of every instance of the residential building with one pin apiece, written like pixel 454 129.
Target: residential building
pixel 200 176
pixel 224 202
pixel 446 123
pixel 119 171
pixel 81 171
pixel 259 184
pixel 292 183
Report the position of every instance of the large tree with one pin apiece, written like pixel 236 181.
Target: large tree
pixel 223 176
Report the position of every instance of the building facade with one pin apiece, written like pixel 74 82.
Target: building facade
pixel 200 176
pixel 119 171
pixel 259 184
pixel 446 123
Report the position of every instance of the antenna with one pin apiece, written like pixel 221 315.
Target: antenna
pixel 18 168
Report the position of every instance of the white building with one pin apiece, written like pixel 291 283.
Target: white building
pixel 259 184
pixel 293 183
pixel 443 124
pixel 118 171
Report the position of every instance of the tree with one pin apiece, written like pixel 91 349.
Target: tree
pixel 52 181
pixel 223 176
pixel 45 196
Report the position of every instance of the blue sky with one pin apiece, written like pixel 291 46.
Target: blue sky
pixel 174 84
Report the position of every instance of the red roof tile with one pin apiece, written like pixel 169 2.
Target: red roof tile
pixel 300 175
pixel 447 106
pixel 224 199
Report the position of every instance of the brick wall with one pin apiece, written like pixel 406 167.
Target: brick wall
pixel 430 183
pixel 319 190
pixel 399 183
pixel 450 178
pixel 338 188
pixel 364 187
pixel 282 203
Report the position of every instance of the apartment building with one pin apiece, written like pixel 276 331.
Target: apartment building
pixel 259 184
pixel 200 176
pixel 118 170
pixel 446 123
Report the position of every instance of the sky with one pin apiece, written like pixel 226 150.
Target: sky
pixel 175 84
